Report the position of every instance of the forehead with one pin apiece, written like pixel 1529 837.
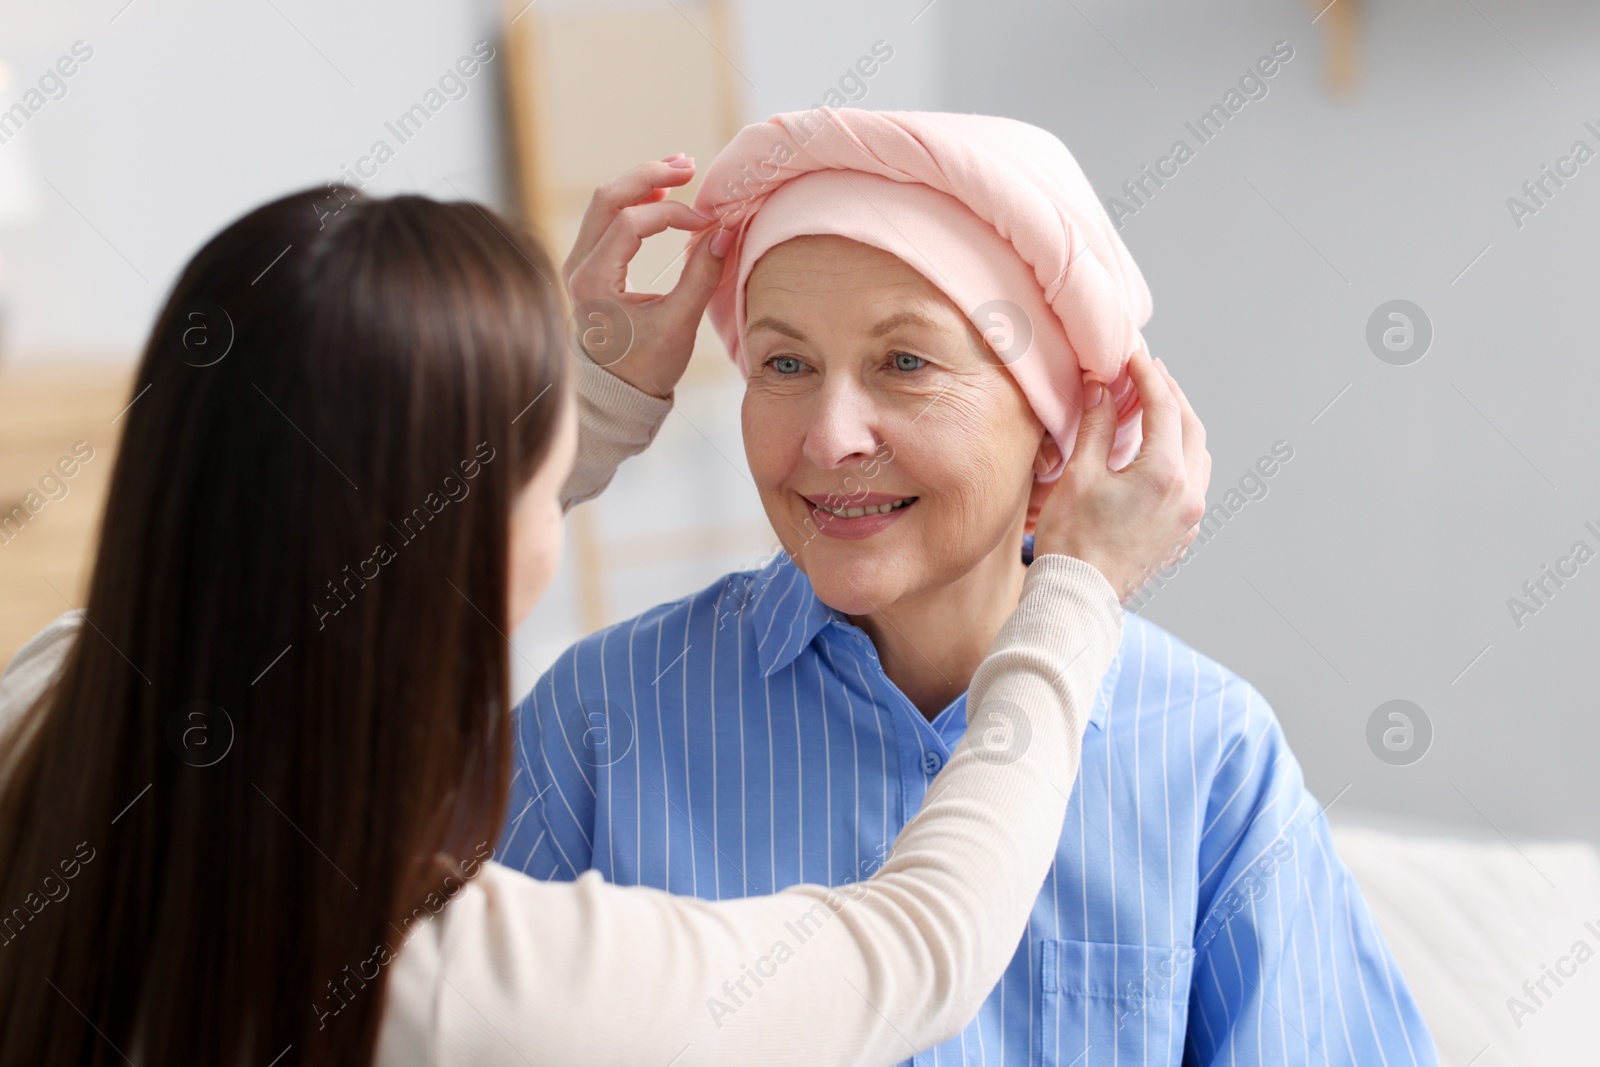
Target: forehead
pixel 839 282
pixel 824 263
pixel 827 256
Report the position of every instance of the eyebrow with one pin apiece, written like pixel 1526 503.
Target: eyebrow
pixel 903 318
pixel 776 325
pixel 893 322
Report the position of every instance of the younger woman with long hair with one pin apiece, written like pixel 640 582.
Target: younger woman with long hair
pixel 247 793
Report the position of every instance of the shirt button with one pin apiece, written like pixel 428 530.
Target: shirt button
pixel 932 761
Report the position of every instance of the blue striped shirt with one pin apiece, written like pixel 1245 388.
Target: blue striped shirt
pixel 745 738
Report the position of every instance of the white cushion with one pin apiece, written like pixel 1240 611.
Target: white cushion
pixel 1470 921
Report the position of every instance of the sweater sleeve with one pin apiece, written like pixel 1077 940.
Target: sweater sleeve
pixel 515 970
pixel 26 677
pixel 615 421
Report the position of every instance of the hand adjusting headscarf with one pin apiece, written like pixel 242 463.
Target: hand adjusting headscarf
pixel 994 212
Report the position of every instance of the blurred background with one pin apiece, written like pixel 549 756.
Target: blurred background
pixel 1379 259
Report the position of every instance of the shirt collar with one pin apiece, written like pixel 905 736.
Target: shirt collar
pixel 788 615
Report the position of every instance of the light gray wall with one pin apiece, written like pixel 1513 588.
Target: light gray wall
pixel 187 114
pixel 1379 564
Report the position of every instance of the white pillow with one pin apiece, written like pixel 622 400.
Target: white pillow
pixel 1470 922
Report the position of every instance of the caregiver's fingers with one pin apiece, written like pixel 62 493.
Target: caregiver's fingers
pixel 604 272
pixel 1194 476
pixel 644 184
pixel 1096 429
pixel 1196 457
pixel 689 297
pixel 647 183
pixel 1161 453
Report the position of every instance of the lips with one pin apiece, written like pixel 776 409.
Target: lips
pixel 856 512
pixel 852 517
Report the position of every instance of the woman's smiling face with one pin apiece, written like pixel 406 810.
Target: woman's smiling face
pixel 869 389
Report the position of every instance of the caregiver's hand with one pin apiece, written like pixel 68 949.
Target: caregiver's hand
pixel 1138 520
pixel 643 338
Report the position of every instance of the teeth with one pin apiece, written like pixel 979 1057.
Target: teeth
pixel 878 509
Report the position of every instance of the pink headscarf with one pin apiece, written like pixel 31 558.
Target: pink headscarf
pixel 994 212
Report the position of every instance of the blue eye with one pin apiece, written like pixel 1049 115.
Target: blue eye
pixel 907 362
pixel 784 365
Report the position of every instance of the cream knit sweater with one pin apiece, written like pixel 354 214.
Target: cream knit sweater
pixel 517 971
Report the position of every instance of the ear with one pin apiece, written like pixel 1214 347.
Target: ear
pixel 1044 460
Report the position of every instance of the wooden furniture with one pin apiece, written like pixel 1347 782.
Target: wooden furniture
pixel 47 407
pixel 1340 21
pixel 592 93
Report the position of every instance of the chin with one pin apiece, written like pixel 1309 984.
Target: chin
pixel 852 577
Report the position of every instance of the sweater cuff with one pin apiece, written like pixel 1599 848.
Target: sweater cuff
pixel 616 397
pixel 1056 593
pixel 615 421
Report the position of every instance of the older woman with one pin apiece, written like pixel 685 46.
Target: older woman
pixel 921 304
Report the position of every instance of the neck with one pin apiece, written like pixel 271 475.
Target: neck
pixel 930 643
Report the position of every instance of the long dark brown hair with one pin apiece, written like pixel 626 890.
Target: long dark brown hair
pixel 282 734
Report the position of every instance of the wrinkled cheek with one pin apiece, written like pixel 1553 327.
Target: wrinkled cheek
pixel 962 455
pixel 950 439
pixel 764 444
pixel 771 448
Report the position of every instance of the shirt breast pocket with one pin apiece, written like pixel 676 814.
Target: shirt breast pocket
pixel 1112 1004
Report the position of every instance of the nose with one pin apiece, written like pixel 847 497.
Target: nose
pixel 842 430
